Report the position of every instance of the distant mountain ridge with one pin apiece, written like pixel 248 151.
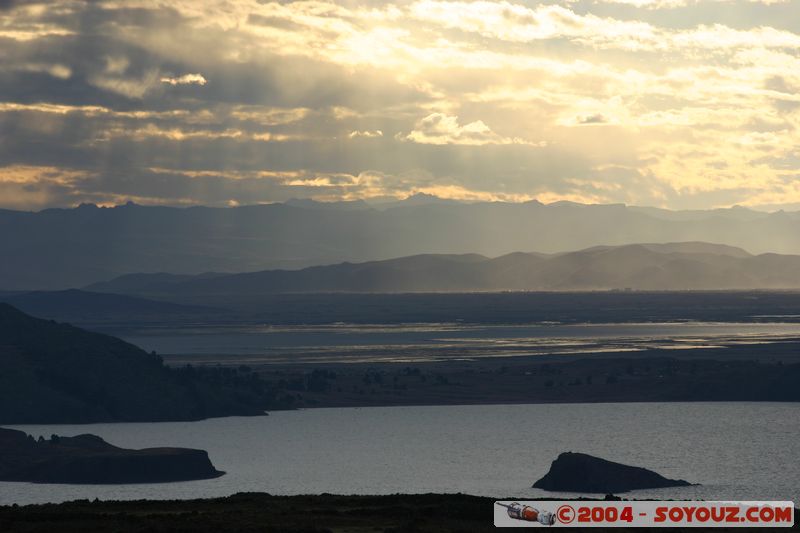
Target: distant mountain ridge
pixel 66 248
pixel 671 266
pixel 74 304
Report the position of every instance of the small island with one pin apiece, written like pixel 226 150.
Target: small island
pixel 579 472
pixel 88 459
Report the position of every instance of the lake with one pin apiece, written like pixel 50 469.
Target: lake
pixel 734 450
pixel 424 342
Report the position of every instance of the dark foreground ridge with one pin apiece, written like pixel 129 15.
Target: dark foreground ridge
pixel 90 459
pixel 579 472
pixel 52 373
pixel 256 512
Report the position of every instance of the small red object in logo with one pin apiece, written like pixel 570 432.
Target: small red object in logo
pixel 565 514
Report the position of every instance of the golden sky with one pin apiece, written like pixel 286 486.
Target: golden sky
pixel 673 103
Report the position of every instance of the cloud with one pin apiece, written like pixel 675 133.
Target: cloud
pixel 592 119
pixel 439 128
pixel 672 4
pixel 134 88
pixel 518 23
pixel 55 70
pixel 365 133
pixel 678 103
pixel 186 79
pixel 26 187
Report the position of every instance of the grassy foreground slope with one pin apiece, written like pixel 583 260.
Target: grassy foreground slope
pixel 265 513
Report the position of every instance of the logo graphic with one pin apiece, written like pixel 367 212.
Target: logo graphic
pixel 650 513
pixel 565 514
pixel 529 514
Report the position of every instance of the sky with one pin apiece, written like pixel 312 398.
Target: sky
pixel 682 104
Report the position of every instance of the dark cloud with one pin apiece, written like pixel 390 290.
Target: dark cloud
pixel 274 22
pixel 593 119
pixel 6 5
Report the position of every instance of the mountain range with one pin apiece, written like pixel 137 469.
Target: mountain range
pixel 66 248
pixel 673 266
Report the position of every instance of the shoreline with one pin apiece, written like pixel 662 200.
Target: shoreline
pixel 743 373
pixel 398 406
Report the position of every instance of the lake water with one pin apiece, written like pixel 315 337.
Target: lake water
pixel 735 450
pixel 437 341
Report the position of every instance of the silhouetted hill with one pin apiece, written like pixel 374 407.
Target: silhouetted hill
pixel 687 248
pixel 352 205
pixel 89 459
pixel 580 472
pixel 150 281
pixel 63 248
pixel 74 304
pixel 57 373
pixel 675 266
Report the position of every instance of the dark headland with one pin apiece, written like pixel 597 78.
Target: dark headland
pixel 88 459
pixel 56 373
pixel 579 472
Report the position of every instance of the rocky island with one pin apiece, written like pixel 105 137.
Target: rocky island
pixel 88 459
pixel 579 472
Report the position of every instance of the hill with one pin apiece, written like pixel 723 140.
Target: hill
pixel 580 472
pixel 57 373
pixel 147 282
pixel 63 248
pixel 675 266
pixel 78 305
pixel 86 458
